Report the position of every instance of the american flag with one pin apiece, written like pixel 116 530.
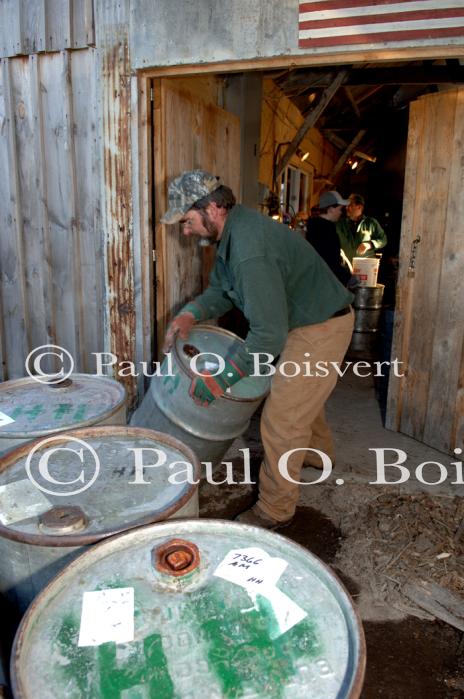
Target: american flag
pixel 347 22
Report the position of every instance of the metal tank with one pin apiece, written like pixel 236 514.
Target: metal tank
pixel 4 693
pixel 88 496
pixel 168 407
pixel 367 309
pixel 192 610
pixel 38 409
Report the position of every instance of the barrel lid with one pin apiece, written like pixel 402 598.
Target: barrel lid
pixel 77 488
pixel 207 339
pixel 40 408
pixel 209 633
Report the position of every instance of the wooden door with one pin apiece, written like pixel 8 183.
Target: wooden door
pixel 428 403
pixel 190 132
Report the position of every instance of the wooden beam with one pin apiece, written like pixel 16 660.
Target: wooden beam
pixel 344 157
pixel 310 121
pixel 437 600
pixel 352 101
pixel 334 139
pixel 369 93
pixel 294 61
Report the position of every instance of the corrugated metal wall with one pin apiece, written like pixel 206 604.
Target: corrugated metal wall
pixel 51 270
pixel 51 241
pixel 32 26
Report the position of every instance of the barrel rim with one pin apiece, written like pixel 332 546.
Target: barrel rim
pixel 54 586
pixel 8 385
pixel 8 532
pixel 191 374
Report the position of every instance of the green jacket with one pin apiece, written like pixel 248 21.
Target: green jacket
pixel 367 230
pixel 274 277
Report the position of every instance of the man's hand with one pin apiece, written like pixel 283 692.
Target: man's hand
pixel 205 388
pixel 363 247
pixel 181 325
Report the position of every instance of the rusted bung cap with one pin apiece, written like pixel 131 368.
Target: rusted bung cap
pixel 178 557
pixel 63 520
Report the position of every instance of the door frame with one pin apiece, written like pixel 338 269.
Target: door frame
pixel 144 102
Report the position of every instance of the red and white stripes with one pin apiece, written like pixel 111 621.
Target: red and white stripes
pixel 347 22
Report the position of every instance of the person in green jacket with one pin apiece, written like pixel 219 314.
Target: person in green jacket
pixel 296 309
pixel 360 235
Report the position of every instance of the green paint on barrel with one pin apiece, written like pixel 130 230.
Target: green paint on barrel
pixel 77 668
pixel 144 667
pixel 240 652
pixel 172 382
pixel 80 413
pixel 16 412
pixel 34 412
pixel 62 409
pixel 236 640
pixel 108 670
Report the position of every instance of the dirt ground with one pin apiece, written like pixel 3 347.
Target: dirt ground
pixel 379 541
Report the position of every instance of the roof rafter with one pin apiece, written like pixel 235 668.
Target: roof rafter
pixel 309 122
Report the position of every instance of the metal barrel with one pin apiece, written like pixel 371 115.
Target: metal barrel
pixel 168 407
pixel 7 631
pixel 4 682
pixel 37 409
pixel 367 309
pixel 59 496
pixel 192 609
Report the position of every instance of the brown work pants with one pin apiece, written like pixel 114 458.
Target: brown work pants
pixel 295 406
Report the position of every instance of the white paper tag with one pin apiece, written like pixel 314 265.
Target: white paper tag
pixel 107 615
pixel 258 572
pixel 5 419
pixel 251 567
pixel 21 500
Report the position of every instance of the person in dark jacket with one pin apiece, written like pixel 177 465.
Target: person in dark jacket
pixel 321 232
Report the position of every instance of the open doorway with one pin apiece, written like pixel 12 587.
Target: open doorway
pixel 243 126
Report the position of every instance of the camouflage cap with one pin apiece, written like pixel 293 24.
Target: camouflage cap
pixel 185 190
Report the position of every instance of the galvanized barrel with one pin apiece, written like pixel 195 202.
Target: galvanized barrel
pixel 168 407
pixel 4 683
pixel 193 610
pixel 37 409
pixel 367 309
pixel 79 488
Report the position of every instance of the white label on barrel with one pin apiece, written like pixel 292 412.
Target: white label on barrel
pixel 21 500
pixel 258 572
pixel 5 419
pixel 251 567
pixel 107 615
